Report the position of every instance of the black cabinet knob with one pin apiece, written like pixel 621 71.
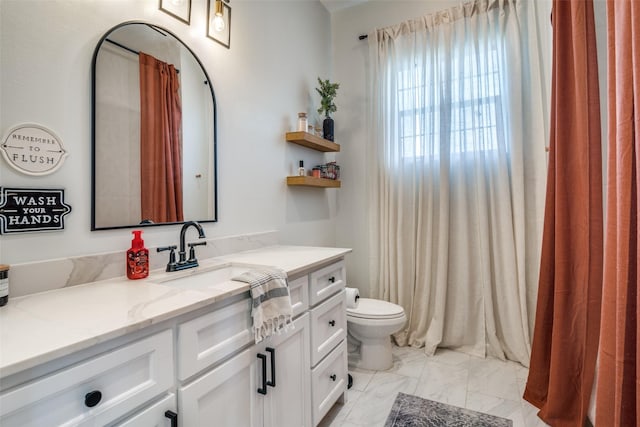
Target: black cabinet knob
pixel 92 398
pixel 173 417
pixel 333 377
pixel 332 279
pixel 332 322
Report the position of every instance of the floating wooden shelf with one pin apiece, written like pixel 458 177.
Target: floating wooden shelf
pixel 311 141
pixel 309 181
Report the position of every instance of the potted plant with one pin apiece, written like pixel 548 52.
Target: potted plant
pixel 327 91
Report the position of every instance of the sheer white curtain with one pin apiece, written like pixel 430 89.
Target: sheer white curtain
pixel 458 162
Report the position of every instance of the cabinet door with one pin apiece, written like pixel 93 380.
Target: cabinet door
pixel 288 404
pixel 224 397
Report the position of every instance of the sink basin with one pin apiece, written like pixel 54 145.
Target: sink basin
pixel 202 278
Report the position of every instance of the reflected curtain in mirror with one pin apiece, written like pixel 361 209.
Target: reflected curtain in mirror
pixel 160 141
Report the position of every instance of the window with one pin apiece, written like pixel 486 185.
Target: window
pixel 462 111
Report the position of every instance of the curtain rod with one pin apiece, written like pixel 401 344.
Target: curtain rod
pixel 135 52
pixel 123 46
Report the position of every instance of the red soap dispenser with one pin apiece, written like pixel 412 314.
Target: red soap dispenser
pixel 137 258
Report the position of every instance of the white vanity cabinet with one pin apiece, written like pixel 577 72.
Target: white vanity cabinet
pixel 198 367
pixel 267 385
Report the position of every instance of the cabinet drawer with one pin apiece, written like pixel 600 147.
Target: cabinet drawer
pixel 126 377
pixel 154 415
pixel 329 381
pixel 327 281
pixel 329 326
pixel 299 291
pixel 207 339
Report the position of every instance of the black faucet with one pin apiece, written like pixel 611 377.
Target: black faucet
pixel 184 263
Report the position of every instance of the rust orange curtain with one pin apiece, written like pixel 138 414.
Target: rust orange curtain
pixel 618 388
pixel 160 141
pixel 565 340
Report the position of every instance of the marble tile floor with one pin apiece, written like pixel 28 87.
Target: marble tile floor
pixel 486 385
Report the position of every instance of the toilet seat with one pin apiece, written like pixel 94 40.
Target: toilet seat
pixel 375 309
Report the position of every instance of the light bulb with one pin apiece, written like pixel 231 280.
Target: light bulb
pixel 218 23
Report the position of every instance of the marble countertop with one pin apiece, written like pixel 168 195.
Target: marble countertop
pixel 38 328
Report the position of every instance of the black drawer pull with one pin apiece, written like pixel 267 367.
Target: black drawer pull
pixel 272 383
pixel 173 417
pixel 333 377
pixel 263 389
pixel 332 322
pixel 332 279
pixel 92 398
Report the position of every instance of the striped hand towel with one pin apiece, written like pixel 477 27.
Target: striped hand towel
pixel 271 309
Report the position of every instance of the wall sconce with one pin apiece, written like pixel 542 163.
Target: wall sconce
pixel 219 22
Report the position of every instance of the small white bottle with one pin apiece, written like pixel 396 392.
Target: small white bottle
pixel 301 170
pixel 302 122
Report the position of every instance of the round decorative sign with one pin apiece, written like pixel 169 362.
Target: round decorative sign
pixel 33 149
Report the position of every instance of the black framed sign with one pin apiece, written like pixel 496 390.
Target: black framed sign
pixel 25 210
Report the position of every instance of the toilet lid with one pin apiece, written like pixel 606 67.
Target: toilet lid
pixel 375 309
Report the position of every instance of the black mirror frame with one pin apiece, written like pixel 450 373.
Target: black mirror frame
pixel 93 131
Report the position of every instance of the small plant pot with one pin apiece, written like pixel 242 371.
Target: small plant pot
pixel 327 128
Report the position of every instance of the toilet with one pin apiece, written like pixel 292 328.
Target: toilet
pixel 369 327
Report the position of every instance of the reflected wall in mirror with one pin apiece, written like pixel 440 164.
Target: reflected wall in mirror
pixel 154 131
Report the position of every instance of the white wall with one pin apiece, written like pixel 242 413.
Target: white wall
pixel 278 48
pixel 350 57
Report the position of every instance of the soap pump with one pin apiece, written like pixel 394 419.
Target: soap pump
pixel 137 258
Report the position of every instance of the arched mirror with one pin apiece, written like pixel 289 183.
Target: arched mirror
pixel 154 131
